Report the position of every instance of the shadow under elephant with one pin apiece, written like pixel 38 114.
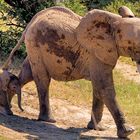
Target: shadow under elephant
pixel 39 130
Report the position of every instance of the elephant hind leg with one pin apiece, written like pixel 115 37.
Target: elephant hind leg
pixel 42 81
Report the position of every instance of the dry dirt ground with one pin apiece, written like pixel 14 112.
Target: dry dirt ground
pixel 71 120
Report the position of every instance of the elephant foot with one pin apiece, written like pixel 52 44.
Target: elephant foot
pixel 9 112
pixel 92 126
pixel 46 119
pixel 123 133
pixel 5 111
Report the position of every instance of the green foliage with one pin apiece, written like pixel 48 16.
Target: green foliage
pixel 75 6
pixel 23 11
pixel 113 5
pixel 13 20
pixel 7 40
pixel 98 4
pixel 132 4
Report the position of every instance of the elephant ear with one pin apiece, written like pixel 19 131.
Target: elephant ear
pixel 95 33
pixel 4 79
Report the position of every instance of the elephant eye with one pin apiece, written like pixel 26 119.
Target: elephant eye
pixel 14 87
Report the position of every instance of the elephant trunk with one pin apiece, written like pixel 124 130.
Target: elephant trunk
pixel 19 101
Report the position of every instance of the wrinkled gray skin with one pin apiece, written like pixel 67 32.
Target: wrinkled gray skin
pixel 71 48
pixel 13 87
pixel 25 74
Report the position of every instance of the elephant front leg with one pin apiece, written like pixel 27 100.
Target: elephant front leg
pixel 110 101
pixel 44 103
pixel 97 110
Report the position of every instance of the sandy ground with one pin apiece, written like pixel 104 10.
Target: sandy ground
pixel 71 123
pixel 71 120
pixel 128 71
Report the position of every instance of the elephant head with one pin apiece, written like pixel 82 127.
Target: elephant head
pixel 9 86
pixel 125 12
pixel 109 36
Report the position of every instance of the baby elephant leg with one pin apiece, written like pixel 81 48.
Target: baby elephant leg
pixel 4 104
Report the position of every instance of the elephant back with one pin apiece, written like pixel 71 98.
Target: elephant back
pixel 95 32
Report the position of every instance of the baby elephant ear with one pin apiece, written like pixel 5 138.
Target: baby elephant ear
pixel 5 79
pixel 125 12
pixel 95 33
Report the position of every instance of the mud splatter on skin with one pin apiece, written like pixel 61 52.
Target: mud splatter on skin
pixel 97 25
pixel 110 51
pixel 68 71
pixel 100 37
pixel 120 36
pixel 59 61
pixel 47 36
pixel 129 42
pixel 129 49
pixel 119 31
pixel 63 36
pixel 51 37
pixel 103 25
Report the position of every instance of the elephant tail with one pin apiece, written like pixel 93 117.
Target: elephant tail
pixel 8 61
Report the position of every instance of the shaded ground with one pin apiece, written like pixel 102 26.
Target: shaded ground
pixel 71 123
pixel 128 71
pixel 71 120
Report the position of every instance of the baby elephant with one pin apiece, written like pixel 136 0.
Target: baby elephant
pixel 9 86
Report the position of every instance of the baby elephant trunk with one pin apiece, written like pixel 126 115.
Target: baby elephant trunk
pixel 19 101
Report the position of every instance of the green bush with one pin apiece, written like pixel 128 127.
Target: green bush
pixel 7 40
pixel 14 17
pixel 98 4
pixel 132 4
pixel 75 5
pixel 113 5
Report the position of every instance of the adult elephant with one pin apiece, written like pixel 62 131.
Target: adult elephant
pixel 63 46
